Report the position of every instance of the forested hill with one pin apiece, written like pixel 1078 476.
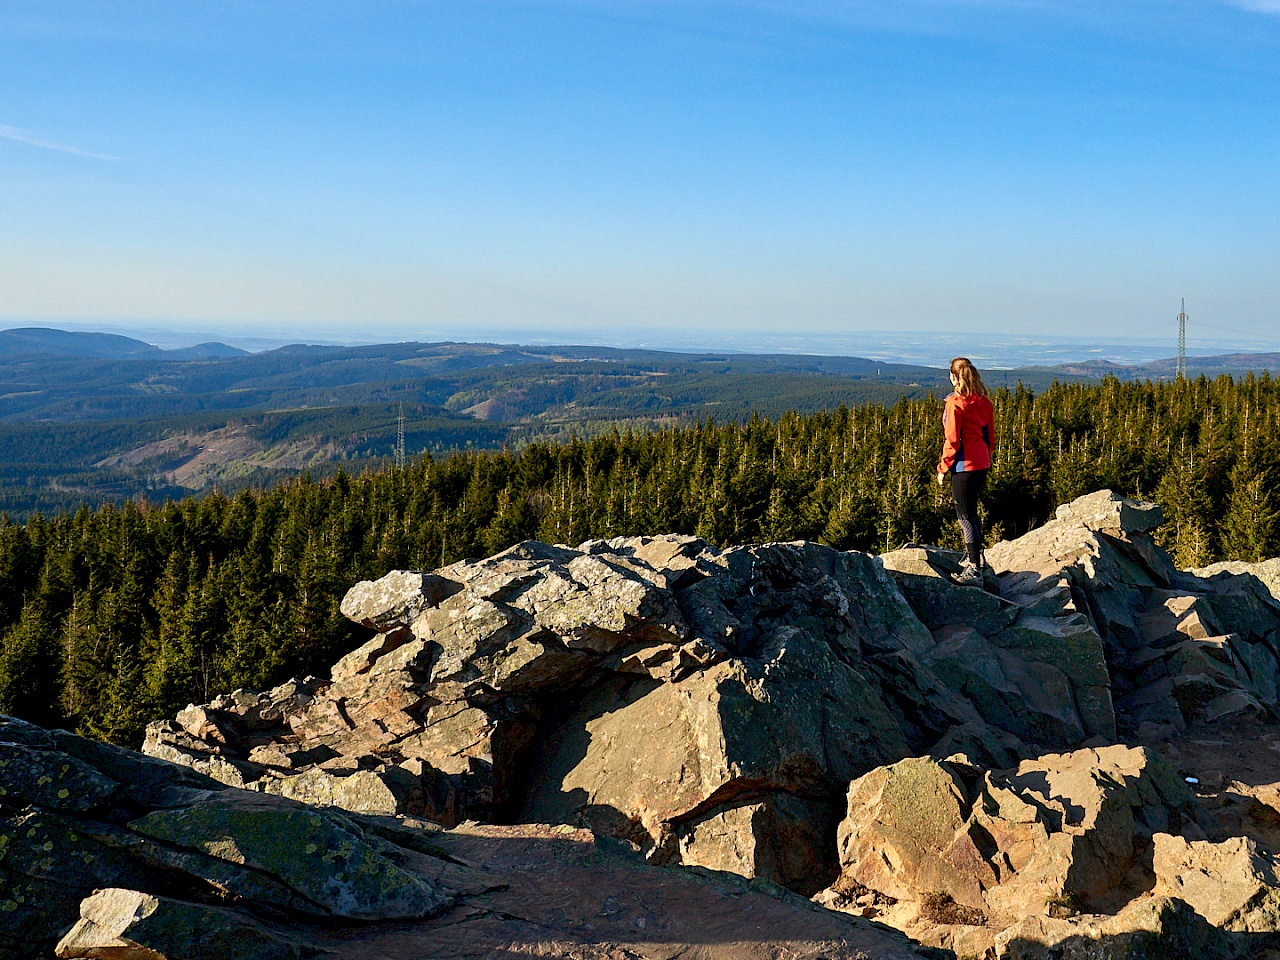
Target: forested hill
pixel 115 616
pixel 93 418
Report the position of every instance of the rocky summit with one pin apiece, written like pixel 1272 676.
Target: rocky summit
pixel 659 748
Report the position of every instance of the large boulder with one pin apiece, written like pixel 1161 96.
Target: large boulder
pixel 1093 806
pixel 1108 512
pixel 394 601
pixel 796 720
pixel 1051 861
pixel 1003 845
pixel 1095 559
pixel 1233 884
pixel 907 834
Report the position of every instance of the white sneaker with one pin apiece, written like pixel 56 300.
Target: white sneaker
pixel 970 574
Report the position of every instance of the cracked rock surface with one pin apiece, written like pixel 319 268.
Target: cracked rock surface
pixel 105 853
pixel 980 767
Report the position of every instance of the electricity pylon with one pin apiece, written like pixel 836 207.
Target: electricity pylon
pixel 400 440
pixel 1182 341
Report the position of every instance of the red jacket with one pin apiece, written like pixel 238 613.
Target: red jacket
pixel 970 427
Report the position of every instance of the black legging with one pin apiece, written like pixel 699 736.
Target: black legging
pixel 966 488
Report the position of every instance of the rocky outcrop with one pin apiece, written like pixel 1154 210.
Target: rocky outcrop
pixel 1032 667
pixel 1062 829
pixel 690 700
pixel 1179 645
pixel 105 853
pixel 712 707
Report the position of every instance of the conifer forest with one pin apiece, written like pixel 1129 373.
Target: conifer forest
pixel 115 616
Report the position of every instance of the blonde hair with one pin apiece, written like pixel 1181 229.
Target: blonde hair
pixel 962 369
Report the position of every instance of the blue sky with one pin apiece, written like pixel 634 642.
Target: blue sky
pixel 374 170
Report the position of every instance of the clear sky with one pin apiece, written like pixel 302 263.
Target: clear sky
pixel 377 170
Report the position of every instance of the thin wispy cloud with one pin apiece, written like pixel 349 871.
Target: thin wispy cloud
pixel 1257 6
pixel 18 135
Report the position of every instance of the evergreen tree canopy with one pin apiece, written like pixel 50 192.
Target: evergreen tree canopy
pixel 115 616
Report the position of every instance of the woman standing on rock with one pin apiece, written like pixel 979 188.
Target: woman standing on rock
pixel 968 423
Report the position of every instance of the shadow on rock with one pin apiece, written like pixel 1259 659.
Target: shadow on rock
pixel 1158 928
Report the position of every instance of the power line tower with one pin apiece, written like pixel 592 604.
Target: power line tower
pixel 1182 341
pixel 400 440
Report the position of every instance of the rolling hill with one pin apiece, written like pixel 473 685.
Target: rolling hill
pixel 87 417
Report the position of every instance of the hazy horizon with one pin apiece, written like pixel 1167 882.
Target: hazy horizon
pixel 712 169
pixel 926 348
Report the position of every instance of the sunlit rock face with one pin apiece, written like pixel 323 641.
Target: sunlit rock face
pixel 712 707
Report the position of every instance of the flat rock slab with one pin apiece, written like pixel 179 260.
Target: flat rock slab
pixel 308 851
pixel 567 895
